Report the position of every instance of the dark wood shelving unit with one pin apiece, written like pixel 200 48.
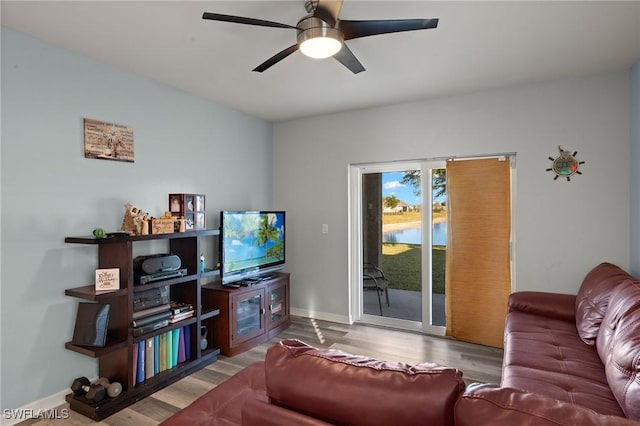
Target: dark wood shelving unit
pixel 115 359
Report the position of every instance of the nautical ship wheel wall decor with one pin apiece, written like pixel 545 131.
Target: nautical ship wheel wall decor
pixel 565 165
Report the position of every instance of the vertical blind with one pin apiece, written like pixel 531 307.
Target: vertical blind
pixel 478 281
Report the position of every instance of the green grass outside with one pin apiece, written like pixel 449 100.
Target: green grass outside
pixel 401 264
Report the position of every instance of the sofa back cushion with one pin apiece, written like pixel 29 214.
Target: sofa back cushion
pixel 618 345
pixel 593 298
pixel 346 389
pixel 488 405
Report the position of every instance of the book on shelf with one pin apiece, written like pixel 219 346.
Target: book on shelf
pixel 186 331
pixel 135 363
pixel 160 353
pixel 179 317
pixel 140 376
pixel 149 356
pixel 180 307
pixel 181 348
pixel 156 354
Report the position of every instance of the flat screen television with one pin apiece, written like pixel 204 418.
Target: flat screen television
pixel 252 244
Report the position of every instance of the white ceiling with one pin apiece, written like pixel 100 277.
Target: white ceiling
pixel 478 45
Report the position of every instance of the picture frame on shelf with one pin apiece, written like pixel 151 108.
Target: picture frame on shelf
pixel 107 279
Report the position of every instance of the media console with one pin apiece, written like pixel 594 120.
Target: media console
pixel 249 315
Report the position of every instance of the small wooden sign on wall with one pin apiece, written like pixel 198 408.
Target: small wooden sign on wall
pixel 108 141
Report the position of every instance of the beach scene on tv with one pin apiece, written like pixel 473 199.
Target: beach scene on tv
pixel 252 240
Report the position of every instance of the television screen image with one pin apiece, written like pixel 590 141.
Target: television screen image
pixel 252 243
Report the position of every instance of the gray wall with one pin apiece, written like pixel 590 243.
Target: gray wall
pixel 49 190
pixel 634 142
pixel 562 228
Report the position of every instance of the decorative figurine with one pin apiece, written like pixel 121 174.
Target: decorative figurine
pixel 183 226
pixel 145 225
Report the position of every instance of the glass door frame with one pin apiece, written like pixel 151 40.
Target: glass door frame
pixel 356 172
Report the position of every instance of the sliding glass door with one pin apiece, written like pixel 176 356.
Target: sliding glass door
pixel 400 276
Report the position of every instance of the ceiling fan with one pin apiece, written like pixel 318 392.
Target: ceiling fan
pixel 322 34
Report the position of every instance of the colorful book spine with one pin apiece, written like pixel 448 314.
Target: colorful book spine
pixel 148 362
pixel 181 354
pixel 135 364
pixel 160 353
pixel 162 362
pixel 186 330
pixel 156 355
pixel 169 350
pixel 175 343
pixel 141 357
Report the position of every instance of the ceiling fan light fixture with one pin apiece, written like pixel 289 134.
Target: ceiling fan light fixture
pixel 320 47
pixel 317 39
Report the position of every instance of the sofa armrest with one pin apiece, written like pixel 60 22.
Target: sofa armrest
pixel 491 405
pixel 260 413
pixel 554 305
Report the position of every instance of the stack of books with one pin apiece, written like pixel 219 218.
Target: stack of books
pixel 162 352
pixel 180 311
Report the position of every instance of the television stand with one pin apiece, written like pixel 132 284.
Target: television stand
pixel 248 315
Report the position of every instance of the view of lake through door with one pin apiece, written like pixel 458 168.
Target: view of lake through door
pixel 403 261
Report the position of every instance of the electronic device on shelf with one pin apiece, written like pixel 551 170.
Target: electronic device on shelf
pixel 157 267
pixel 151 298
pixel 159 276
pixel 252 244
pixel 155 263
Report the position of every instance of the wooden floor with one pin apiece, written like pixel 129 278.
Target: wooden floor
pixel 478 363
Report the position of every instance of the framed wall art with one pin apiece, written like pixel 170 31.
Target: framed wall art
pixel 108 141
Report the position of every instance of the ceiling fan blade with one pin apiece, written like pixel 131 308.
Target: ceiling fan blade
pixel 346 57
pixel 328 11
pixel 276 58
pixel 243 20
pixel 356 29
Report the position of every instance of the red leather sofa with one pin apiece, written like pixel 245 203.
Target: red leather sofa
pixel 568 360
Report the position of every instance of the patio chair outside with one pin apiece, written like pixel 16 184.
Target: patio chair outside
pixel 373 278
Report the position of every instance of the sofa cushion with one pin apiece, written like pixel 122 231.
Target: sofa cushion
pixel 340 388
pixel 593 298
pixel 260 413
pixel 545 355
pixel 222 405
pixel 618 345
pixel 553 305
pixel 486 405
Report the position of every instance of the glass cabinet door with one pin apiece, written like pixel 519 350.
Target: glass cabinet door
pixel 278 309
pixel 249 315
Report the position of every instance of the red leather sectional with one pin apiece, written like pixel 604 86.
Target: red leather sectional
pixel 568 360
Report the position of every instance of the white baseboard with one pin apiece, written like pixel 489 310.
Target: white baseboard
pixel 45 408
pixel 342 319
